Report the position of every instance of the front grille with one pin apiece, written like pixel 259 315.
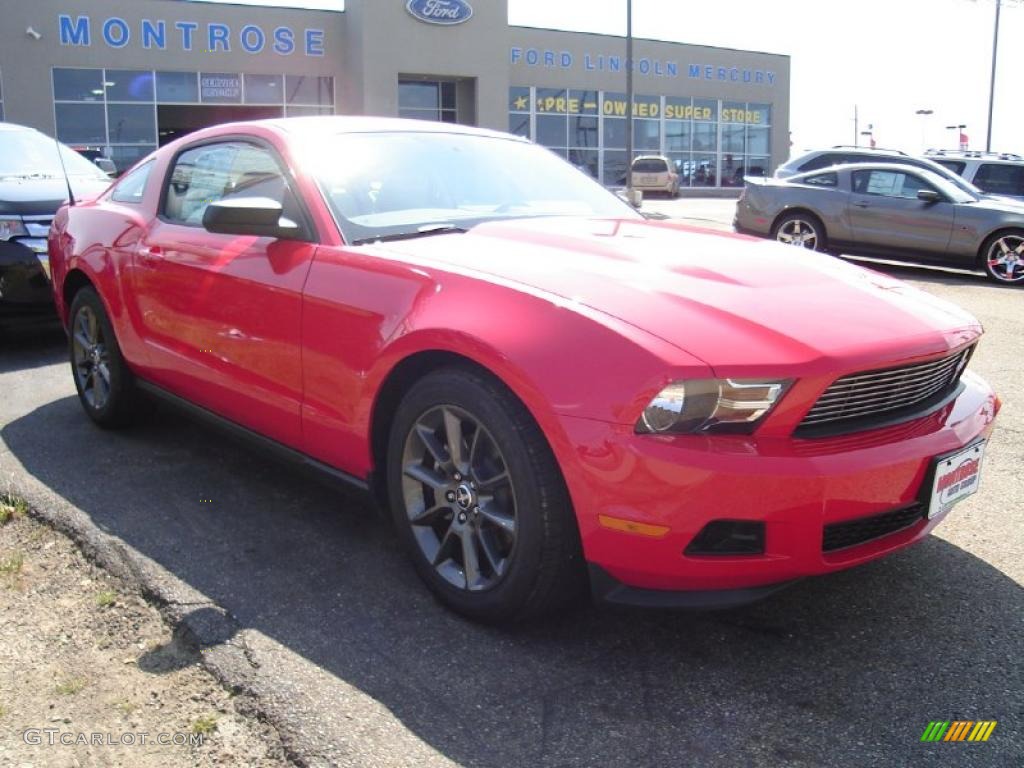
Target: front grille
pixel 854 532
pixel 862 397
pixel 38 226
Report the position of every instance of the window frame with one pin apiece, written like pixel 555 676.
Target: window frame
pixel 308 230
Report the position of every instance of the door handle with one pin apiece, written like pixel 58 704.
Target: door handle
pixel 150 253
pixel 863 205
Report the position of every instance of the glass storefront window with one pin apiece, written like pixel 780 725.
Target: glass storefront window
pixel 81 123
pixel 177 87
pixel 583 131
pixel 732 170
pixel 519 124
pixel 293 111
pixel 706 110
pixel 647 135
pixel 704 171
pixel 519 99
pixel 677 135
pixel 551 130
pixel 757 166
pixel 425 99
pixel 615 132
pixel 683 166
pixel 78 84
pixel 762 114
pixel 614 168
pixel 705 137
pixel 758 140
pixel 129 85
pixel 131 123
pixel 585 102
pixel 264 89
pixel 732 138
pixel 310 90
pixel 585 160
pixel 125 157
pixel 220 87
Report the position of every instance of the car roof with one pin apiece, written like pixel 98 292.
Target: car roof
pixel 334 124
pixel 12 127
pixel 905 167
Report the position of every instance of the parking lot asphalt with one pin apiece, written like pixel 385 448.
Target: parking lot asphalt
pixel 346 653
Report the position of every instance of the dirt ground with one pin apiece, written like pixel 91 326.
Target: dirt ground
pixel 90 666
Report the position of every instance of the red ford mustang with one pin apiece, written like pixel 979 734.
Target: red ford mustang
pixel 541 386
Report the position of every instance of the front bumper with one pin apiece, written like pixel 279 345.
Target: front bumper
pixel 26 295
pixel 795 487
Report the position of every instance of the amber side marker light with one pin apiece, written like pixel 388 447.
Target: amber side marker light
pixel 631 526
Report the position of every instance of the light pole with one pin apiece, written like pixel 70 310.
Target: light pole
pixel 992 82
pixel 924 121
pixel 960 131
pixel 629 100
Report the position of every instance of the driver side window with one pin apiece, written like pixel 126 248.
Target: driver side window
pixel 889 184
pixel 213 172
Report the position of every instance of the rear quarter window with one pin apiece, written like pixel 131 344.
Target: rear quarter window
pixel 132 186
pixel 830 179
pixel 1000 178
pixel 822 161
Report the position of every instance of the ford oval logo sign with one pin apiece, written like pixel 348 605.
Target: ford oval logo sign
pixel 440 11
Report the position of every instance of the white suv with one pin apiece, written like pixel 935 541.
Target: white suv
pixel 997 173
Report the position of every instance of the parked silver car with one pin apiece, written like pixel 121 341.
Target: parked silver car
pixel 888 210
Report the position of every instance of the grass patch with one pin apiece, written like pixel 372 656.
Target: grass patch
pixel 71 686
pixel 106 598
pixel 206 724
pixel 3 711
pixel 12 564
pixel 125 707
pixel 11 507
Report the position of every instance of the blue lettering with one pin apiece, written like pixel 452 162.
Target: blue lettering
pixel 186 28
pixel 672 68
pixel 587 63
pixel 746 75
pixel 116 33
pixel 154 34
pixel 721 73
pixel 759 77
pixel 695 70
pixel 532 57
pixel 284 41
pixel 566 60
pixel 614 63
pixel 549 58
pixel 734 74
pixel 657 68
pixel 771 78
pixel 252 38
pixel 74 33
pixel 709 72
pixel 645 66
pixel 515 54
pixel 218 37
pixel 314 42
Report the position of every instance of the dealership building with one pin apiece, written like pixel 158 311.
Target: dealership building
pixel 128 76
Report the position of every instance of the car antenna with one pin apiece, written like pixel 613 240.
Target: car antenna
pixel 67 179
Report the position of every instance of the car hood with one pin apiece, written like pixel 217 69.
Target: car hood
pixel 737 303
pixel 999 203
pixel 39 197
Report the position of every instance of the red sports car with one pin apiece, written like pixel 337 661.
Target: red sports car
pixel 543 387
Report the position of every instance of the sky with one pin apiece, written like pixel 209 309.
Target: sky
pixel 890 58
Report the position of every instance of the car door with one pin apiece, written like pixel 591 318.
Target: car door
pixel 885 213
pixel 221 313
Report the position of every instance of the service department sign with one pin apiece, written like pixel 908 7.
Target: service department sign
pixel 446 12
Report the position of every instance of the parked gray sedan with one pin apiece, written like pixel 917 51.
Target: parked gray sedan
pixel 890 211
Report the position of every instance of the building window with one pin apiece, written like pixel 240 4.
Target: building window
pixel 427 100
pixel 119 111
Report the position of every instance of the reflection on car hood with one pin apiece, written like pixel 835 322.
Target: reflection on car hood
pixel 39 197
pixel 727 299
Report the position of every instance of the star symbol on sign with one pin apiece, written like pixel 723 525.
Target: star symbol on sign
pixel 521 102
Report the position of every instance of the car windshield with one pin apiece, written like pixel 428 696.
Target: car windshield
pixel 30 154
pixel 394 184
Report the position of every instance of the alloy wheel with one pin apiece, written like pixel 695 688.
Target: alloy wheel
pixel 798 232
pixel 91 358
pixel 1005 259
pixel 460 498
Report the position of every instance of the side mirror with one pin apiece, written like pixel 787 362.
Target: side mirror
pixel 258 216
pixel 928 196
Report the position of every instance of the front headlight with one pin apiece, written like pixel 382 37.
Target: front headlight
pixel 12 226
pixel 711 405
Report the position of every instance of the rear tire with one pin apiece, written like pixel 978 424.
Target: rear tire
pixel 488 524
pixel 1002 257
pixel 801 229
pixel 106 386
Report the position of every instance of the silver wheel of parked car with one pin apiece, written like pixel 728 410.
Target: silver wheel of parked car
pixel 91 359
pixel 800 230
pixel 1004 258
pixel 459 497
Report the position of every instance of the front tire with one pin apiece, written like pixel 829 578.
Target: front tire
pixel 1002 257
pixel 801 229
pixel 477 497
pixel 106 386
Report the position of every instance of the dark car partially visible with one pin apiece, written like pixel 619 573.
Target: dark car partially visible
pixel 32 187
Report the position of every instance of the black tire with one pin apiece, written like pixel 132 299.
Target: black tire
pixel 805 226
pixel 1004 244
pixel 543 568
pixel 110 400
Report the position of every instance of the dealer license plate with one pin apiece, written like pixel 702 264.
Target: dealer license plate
pixel 956 478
